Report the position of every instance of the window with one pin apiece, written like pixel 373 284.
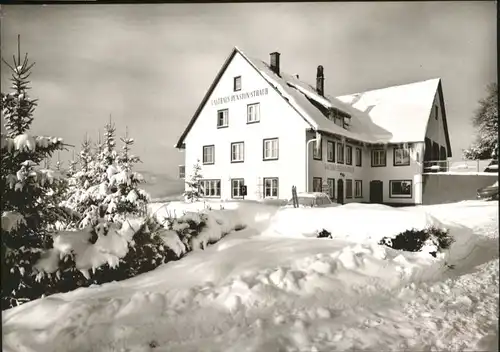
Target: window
pixel 436 112
pixel 210 188
pixel 318 153
pixel 237 83
pixel 330 151
pixel 331 187
pixel 253 113
pixel 236 184
pixel 340 153
pixel 208 154
pixel 348 188
pixel 270 187
pixel 222 118
pixel 237 152
pixel 348 158
pixel 401 156
pixel 400 188
pixel 358 189
pixel 270 149
pixel 317 183
pixel 182 171
pixel 359 156
pixel 378 157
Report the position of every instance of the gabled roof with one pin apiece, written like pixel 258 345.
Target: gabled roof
pixel 404 110
pixel 376 116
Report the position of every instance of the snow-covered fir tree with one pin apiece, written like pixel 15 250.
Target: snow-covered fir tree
pixel 28 205
pixel 107 180
pixel 485 121
pixel 193 191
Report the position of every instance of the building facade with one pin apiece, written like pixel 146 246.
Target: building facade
pixel 260 127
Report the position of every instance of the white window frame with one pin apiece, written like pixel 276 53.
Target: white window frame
pixel 348 155
pixel 236 184
pixel 253 113
pixel 270 149
pixel 317 184
pixel 225 118
pixel 379 157
pixel 331 187
pixel 358 186
pixel 340 153
pixel 209 185
pixel 318 153
pixel 348 190
pixel 401 156
pixel 401 195
pixel 330 151
pixel 237 152
pixel 206 154
pixel 359 157
pixel 236 80
pixel 273 187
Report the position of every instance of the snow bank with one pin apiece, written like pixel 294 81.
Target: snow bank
pixel 284 293
pixel 354 222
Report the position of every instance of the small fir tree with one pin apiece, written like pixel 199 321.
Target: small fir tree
pixel 193 191
pixel 28 205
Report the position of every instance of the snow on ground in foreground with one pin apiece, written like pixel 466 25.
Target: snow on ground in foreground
pixel 289 293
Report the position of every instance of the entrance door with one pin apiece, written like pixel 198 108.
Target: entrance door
pixel 340 191
pixel 376 192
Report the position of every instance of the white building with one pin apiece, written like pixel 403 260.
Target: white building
pixel 258 126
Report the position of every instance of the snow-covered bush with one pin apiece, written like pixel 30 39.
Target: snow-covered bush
pixel 431 240
pixel 188 227
pixel 324 234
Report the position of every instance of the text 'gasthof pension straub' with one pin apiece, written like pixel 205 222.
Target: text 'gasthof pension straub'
pixel 239 96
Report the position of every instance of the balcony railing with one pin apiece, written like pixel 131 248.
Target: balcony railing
pixel 461 166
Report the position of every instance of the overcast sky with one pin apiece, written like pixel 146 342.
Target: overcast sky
pixel 150 65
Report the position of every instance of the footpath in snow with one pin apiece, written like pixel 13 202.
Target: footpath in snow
pixel 274 287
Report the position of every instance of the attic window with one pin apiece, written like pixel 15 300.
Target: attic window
pixel 237 83
pixel 436 112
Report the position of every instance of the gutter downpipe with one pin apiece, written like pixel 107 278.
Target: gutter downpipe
pixel 307 162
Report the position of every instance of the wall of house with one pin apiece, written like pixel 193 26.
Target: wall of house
pixel 435 127
pixel 445 188
pixel 412 172
pixel 277 119
pixel 325 169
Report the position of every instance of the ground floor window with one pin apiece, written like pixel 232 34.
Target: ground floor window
pixel 331 188
pixel 348 188
pixel 210 188
pixel 271 187
pixel 317 183
pixel 358 189
pixel 400 188
pixel 236 184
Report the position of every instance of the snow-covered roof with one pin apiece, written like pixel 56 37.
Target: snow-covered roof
pixel 396 114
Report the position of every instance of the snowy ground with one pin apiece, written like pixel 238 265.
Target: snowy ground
pixel 270 287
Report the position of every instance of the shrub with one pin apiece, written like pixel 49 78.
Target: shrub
pixel 324 234
pixel 414 240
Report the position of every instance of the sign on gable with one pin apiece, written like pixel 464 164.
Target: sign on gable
pixel 239 96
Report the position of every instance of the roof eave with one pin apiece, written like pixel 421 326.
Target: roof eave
pixel 180 144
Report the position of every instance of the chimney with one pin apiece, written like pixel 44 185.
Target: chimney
pixel 275 62
pixel 320 81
